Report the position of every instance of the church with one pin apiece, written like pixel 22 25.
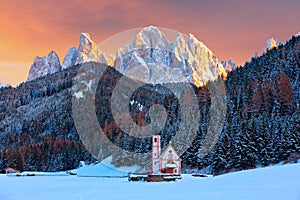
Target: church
pixel 167 162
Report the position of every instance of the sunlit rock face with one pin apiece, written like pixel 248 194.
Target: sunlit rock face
pixel 153 59
pixel 44 65
pixel 229 65
pixel 150 58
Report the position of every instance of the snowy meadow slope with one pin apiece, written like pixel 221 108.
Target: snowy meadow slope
pixel 280 182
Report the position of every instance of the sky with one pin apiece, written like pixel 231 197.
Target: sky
pixel 231 29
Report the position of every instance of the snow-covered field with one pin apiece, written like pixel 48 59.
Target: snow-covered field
pixel 280 182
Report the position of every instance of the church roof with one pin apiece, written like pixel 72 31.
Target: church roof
pixel 170 147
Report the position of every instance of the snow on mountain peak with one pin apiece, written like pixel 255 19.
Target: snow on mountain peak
pixel 271 44
pixel 194 42
pixel 179 41
pixel 54 62
pixel 150 37
pixel 229 65
pixel 186 59
pixel 193 39
pixel 150 57
pixel 88 50
pixel 85 40
pixel 179 47
pixel 70 58
pixel 204 63
pixel 44 65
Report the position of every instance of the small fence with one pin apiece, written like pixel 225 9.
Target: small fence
pixel 153 177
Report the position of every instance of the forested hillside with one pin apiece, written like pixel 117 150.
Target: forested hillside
pixel 263 117
pixel 262 124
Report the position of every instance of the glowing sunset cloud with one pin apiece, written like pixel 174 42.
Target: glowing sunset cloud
pixel 232 29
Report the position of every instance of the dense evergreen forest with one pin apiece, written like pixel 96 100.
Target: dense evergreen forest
pixel 262 125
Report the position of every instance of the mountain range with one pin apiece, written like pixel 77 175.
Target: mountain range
pixel 37 125
pixel 186 58
pixel 191 54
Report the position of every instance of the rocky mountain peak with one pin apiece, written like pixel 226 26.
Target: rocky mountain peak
pixel 229 65
pixel 86 43
pixel 150 57
pixel 88 50
pixel 271 44
pixel 184 59
pixel 70 58
pixel 44 65
pixel 150 37
pixel 53 61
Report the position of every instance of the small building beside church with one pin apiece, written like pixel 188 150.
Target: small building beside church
pixel 167 162
pixel 10 170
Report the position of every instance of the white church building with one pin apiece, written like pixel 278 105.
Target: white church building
pixel 167 162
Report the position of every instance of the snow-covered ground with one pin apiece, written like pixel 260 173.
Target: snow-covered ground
pixel 105 168
pixel 278 182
